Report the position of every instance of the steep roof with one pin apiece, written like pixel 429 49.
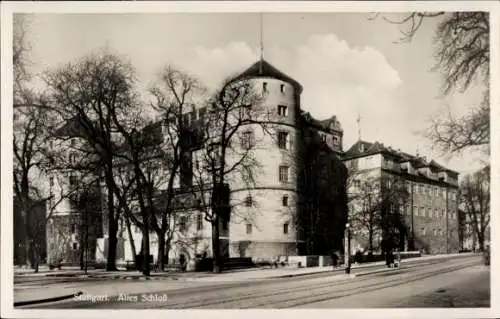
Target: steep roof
pixel 363 148
pixel 327 124
pixel 264 68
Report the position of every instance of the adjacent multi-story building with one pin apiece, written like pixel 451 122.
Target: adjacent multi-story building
pixel 426 199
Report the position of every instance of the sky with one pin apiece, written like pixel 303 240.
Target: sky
pixel 348 64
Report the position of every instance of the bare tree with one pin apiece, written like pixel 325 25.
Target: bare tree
pixel 364 212
pixel 462 56
pixel 475 200
pixel 174 99
pixel 92 94
pixel 376 206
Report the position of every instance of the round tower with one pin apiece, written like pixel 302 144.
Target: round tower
pixel 263 214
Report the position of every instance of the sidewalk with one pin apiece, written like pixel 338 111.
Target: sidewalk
pixel 47 293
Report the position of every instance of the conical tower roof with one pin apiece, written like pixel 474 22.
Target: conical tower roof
pixel 262 68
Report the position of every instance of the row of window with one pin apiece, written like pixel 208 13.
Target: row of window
pixel 248 140
pixel 266 90
pixel 250 228
pixel 431 191
pixel 435 232
pixel 249 201
pixel 335 139
pixel 421 211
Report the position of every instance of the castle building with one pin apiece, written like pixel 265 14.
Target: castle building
pixel 426 200
pixel 297 203
pixel 267 217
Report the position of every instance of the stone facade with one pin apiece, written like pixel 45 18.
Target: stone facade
pixel 430 209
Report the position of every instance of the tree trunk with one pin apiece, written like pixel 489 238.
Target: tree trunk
pixel 167 249
pixel 35 257
pixel 370 239
pixel 217 267
pixel 112 222
pixel 161 251
pixel 145 239
pixel 131 239
pixel 112 243
pixel 480 239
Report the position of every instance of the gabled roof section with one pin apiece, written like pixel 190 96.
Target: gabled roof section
pixel 264 68
pixel 330 124
pixel 71 128
pixel 363 148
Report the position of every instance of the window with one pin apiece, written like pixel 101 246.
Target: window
pixel 264 87
pixel 335 140
pixel 323 138
pixel 224 223
pixel 435 232
pixel 435 192
pixel 72 143
pixel 283 174
pixel 249 229
pixel 284 200
pixel 283 140
pixel 182 224
pixel 73 228
pixel 51 181
pixel 282 88
pixel 75 246
pixel 282 110
pixel 424 231
pixel 357 183
pixel 201 114
pixel 247 140
pixel 422 211
pixel 185 119
pixel 192 116
pixel 415 210
pixel 436 214
pixel 285 228
pixel 248 201
pixel 73 181
pixel 199 222
pixel 429 212
pixel 72 158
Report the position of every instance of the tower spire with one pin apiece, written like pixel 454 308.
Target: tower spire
pixel 261 43
pixel 359 126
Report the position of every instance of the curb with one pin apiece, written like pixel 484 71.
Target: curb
pixel 53 299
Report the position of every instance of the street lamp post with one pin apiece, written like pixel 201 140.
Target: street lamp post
pixel 348 253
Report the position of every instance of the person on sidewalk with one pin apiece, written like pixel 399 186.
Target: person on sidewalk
pixel 335 260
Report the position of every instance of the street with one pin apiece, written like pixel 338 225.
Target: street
pixel 456 282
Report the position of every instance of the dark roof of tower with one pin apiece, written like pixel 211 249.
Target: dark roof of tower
pixel 263 68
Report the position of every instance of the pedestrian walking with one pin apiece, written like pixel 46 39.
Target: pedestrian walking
pixel 335 260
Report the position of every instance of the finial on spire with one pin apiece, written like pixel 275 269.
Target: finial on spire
pixel 359 126
pixel 261 42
